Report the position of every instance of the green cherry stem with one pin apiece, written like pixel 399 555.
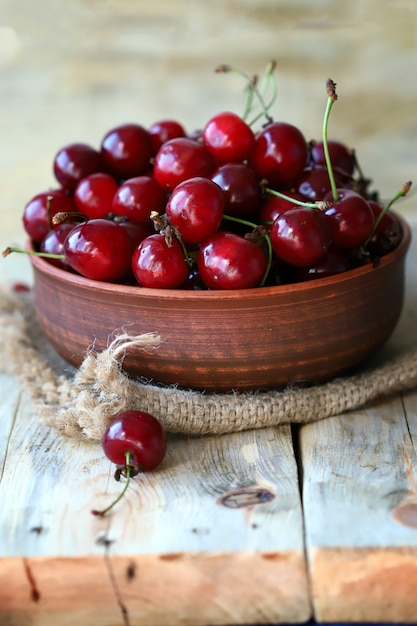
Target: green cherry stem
pixel 314 205
pixel 332 97
pixel 128 475
pixel 400 194
pixel 47 255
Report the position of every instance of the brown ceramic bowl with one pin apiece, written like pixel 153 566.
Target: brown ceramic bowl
pixel 261 338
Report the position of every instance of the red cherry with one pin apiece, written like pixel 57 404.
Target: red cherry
pixel 241 189
pixel 53 243
pixel 76 161
pixel 335 262
pixel 164 130
pixel 39 211
pixel 342 158
pixel 274 206
pixel 136 432
pixel 157 264
pixel 196 207
pixel 179 159
pixel 137 197
pixel 301 236
pixel 127 151
pixel 280 154
pixel 350 219
pixel 94 194
pixel 99 249
pixel 228 261
pixel 388 231
pixel 314 183
pixel 228 138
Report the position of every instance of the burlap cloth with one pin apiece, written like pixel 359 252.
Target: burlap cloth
pixel 80 402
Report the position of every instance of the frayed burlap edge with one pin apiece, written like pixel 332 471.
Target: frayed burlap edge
pixel 80 402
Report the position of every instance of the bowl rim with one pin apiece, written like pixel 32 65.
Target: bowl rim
pixel 47 268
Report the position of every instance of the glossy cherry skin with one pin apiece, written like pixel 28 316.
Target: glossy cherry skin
pixel 127 151
pixel 179 159
pixel 137 197
pixel 228 138
pixel 53 243
pixel 164 130
pixel 351 219
pixel 342 158
pixel 301 236
pixel 274 206
pixel 228 261
pixel 196 208
pixel 39 211
pixel 388 231
pixel 94 194
pixel 159 265
pixel 241 189
pixel 136 432
pixel 280 154
pixel 335 262
pixel 76 161
pixel 314 183
pixel 99 249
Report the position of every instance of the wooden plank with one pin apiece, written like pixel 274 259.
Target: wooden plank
pixel 361 542
pixel 215 535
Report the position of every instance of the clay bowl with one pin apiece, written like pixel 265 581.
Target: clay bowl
pixel 261 338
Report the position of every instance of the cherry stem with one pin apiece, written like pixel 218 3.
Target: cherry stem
pixel 332 97
pixel 47 255
pixel 128 475
pixel 321 204
pixel 400 194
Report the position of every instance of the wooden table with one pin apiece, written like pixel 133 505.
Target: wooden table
pixel 266 526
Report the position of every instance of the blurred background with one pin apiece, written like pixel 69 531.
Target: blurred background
pixel 71 71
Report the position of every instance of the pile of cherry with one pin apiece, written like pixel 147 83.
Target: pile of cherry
pixel 227 207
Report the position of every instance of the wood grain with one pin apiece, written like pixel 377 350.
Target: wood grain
pixel 215 535
pixel 361 544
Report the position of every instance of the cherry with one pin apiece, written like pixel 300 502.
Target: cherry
pixel 335 262
pixel 228 138
pixel 159 263
pixel 76 161
pixel 94 194
pixel 135 441
pixel 136 230
pixel 179 159
pixel 228 261
pixel 53 243
pixel 39 211
pixel 137 197
pixel 387 233
pixel 342 157
pixel 313 183
pixel 280 153
pixel 350 218
pixel 241 189
pixel 99 249
pixel 274 206
pixel 127 151
pixel 196 208
pixel 164 130
pixel 301 236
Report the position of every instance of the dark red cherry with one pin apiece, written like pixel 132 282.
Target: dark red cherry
pixel 301 236
pixel 341 157
pixel 228 138
pixel 241 189
pixel 350 218
pixel 99 249
pixel 39 211
pixel 138 433
pixel 196 208
pixel 179 159
pixel 159 264
pixel 76 161
pixel 228 261
pixel 127 151
pixel 335 262
pixel 275 206
pixel 53 243
pixel 388 231
pixel 280 154
pixel 137 197
pixel 164 130
pixel 94 194
pixel 314 183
